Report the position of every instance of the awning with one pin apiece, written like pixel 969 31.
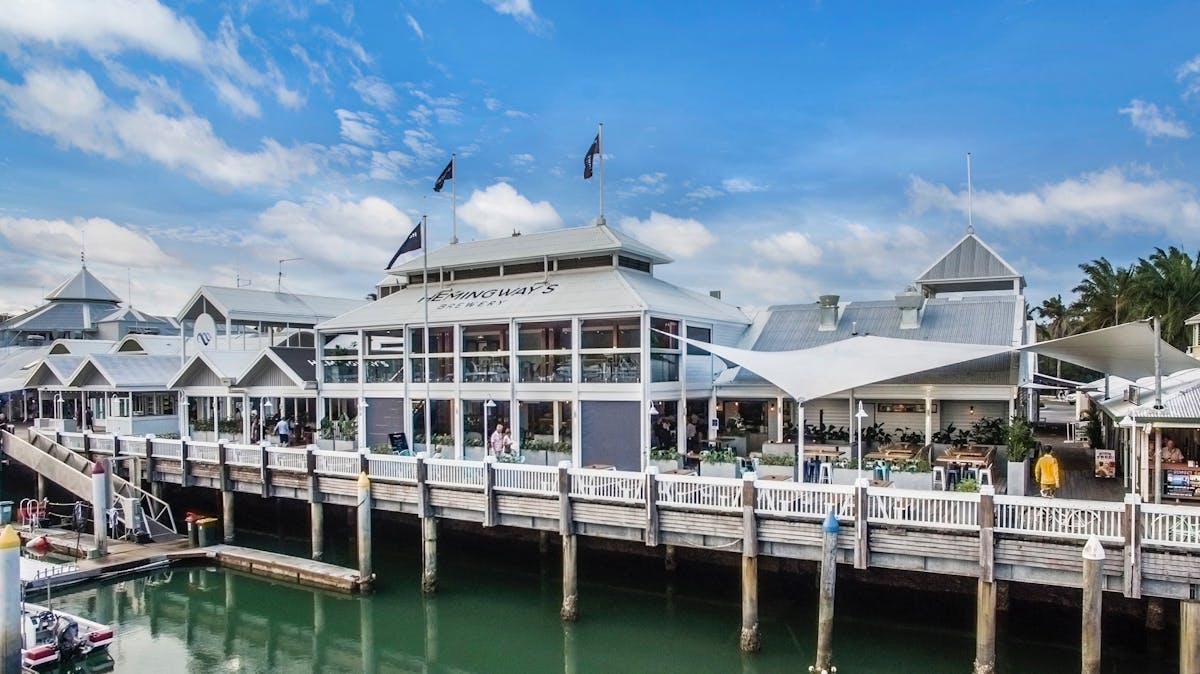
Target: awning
pixel 1125 350
pixel 813 373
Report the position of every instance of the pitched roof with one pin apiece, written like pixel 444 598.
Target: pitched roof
pixel 574 241
pixel 16 362
pixel 251 306
pixel 153 345
pixel 224 365
pixel 59 315
pixel 126 370
pixel 970 265
pixel 129 314
pixel 83 286
pixel 300 361
pixel 81 346
pixel 53 371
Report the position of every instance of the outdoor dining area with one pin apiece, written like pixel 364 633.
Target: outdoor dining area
pixel 956 464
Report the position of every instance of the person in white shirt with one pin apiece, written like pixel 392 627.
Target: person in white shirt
pixel 283 429
pixel 497 444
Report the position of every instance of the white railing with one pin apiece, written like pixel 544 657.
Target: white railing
pixel 286 459
pixel 243 455
pixel 719 494
pixel 344 464
pixel 939 510
pixel 521 479
pixel 102 444
pixel 1059 518
pixel 71 440
pixel 805 500
pixel 608 485
pixel 453 473
pixel 1171 526
pixel 390 467
pixel 203 452
pixel 133 445
pixel 166 449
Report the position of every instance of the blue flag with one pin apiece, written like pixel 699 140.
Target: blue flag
pixel 413 242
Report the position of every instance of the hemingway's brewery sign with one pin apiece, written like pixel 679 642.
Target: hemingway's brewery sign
pixel 486 297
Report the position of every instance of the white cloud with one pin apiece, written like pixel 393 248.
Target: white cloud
pixel 523 159
pixel 416 27
pixel 238 100
pixel 788 247
pixel 705 192
pixel 374 91
pixel 500 210
pixel 66 105
pixel 107 241
pixel 492 104
pixel 678 237
pixel 105 28
pixel 358 127
pixel 444 108
pixel 333 234
pixel 1109 197
pixel 886 255
pixel 738 185
pixel 1189 75
pixel 422 144
pixel 522 11
pixel 1153 123
pixel 387 165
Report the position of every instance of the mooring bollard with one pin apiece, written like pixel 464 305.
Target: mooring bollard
pixel 11 638
pixel 825 600
pixel 1093 560
pixel 99 509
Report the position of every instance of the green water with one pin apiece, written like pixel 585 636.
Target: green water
pixel 497 611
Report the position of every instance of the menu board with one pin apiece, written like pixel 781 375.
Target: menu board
pixel 1106 463
pixel 1181 483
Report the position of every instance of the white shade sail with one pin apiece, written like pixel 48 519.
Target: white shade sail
pixel 1125 350
pixel 813 373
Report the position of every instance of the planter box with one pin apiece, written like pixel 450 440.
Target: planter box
pixel 1018 478
pixel 665 465
pixel 474 452
pixel 775 471
pixel 718 469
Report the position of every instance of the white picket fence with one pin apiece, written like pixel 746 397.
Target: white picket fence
pixel 287 459
pixel 1171 526
pixel 166 449
pixel 248 456
pixel 452 473
pixel 516 478
pixel 342 464
pixel 791 499
pixel 1059 518
pixel 392 468
pixel 718 494
pixel 103 444
pixel 935 510
pixel 203 452
pixel 608 485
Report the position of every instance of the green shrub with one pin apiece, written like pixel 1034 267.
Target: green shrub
pixel 777 460
pixel 967 485
pixel 717 456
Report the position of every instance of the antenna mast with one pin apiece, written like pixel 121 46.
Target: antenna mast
pixel 970 200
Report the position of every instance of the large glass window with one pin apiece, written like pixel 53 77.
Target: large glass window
pixel 664 350
pixel 440 341
pixel 478 430
pixel 609 350
pixel 544 352
pixel 485 353
pixel 701 335
pixel 339 364
pixel 544 336
pixel 441 423
pixel 610 333
pixel 385 356
pixel 615 368
pixel 546 425
pixel 545 369
pixel 480 338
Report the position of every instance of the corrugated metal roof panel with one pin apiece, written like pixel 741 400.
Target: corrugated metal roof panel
pixel 83 286
pixel 60 315
pixel 244 304
pixel 587 240
pixel 135 370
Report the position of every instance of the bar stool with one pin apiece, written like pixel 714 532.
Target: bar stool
pixel 825 473
pixel 953 473
pixel 984 476
pixel 939 478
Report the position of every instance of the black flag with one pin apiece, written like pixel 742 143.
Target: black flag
pixel 447 174
pixel 413 242
pixel 587 160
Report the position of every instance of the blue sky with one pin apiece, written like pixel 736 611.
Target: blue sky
pixel 777 151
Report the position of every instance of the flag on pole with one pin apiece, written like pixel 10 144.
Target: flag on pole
pixel 447 174
pixel 587 160
pixel 413 242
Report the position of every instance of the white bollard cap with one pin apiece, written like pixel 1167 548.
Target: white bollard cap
pixel 1093 550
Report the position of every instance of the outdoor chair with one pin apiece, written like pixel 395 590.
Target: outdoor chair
pixel 825 473
pixel 984 476
pixel 939 478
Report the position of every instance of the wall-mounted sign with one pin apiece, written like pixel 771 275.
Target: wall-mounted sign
pixel 486 297
pixel 204 331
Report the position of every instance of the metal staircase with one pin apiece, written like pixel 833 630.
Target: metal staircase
pixel 72 471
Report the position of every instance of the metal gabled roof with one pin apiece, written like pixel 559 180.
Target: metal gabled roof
pixel 83 286
pixel 129 314
pixel 53 371
pixel 59 315
pixel 80 346
pixel 224 365
pixel 1180 398
pixel 968 262
pixel 243 305
pixel 575 293
pixel 125 370
pixel 968 320
pixel 571 242
pixel 297 364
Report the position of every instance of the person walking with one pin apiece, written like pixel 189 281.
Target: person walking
pixel 1046 472
pixel 496 443
pixel 283 429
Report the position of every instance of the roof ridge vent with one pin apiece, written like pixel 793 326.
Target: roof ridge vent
pixel 910 302
pixel 829 312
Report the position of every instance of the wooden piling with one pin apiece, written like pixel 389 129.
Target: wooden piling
pixel 669 562
pixel 1189 637
pixel 366 630
pixel 227 514
pixel 750 636
pixel 99 509
pixel 428 529
pixel 985 602
pixel 41 486
pixel 11 635
pixel 825 597
pixel 570 546
pixel 1093 560
pixel 364 528
pixel 317 515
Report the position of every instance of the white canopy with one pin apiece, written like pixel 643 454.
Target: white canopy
pixel 1126 350
pixel 813 373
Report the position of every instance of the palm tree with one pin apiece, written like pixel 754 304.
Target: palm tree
pixel 1167 285
pixel 1104 295
pixel 1059 322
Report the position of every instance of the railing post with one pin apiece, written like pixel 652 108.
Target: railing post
pixel 151 465
pixel 749 641
pixel 265 472
pixel 183 462
pixel 1131 530
pixel 364 466
pixel 861 543
pixel 489 491
pixel 651 506
pixel 570 592
pixel 87 444
pixel 58 437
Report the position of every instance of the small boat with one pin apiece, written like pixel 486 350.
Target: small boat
pixel 57 636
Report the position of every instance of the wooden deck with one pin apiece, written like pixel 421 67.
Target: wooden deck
pixel 1151 550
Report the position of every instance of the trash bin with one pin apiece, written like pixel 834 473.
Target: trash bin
pixel 193 540
pixel 6 508
pixel 207 531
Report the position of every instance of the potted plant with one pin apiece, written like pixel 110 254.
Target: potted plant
pixel 1020 441
pixel 537 451
pixel 775 465
pixel 967 485
pixel 719 462
pixel 664 459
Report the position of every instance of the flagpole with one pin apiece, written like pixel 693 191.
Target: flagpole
pixel 600 135
pixel 453 200
pixel 970 222
pixel 425 329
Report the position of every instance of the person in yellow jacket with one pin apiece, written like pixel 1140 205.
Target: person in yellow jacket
pixel 1046 472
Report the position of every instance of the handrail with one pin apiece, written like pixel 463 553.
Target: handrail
pixel 1171 526
pixel 518 478
pixel 804 499
pixel 720 494
pixel 934 509
pixel 1059 518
